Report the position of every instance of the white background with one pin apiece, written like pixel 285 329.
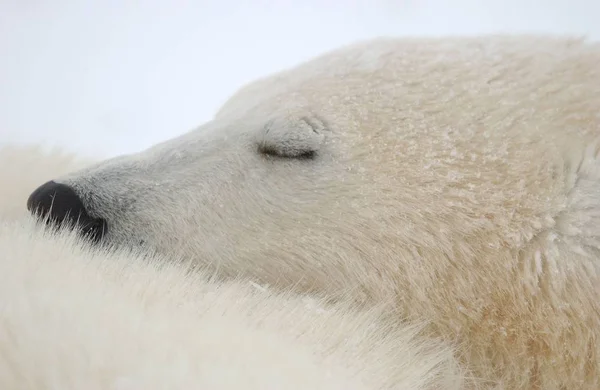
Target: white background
pixel 115 76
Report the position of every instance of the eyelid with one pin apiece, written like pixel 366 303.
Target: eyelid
pixel 292 136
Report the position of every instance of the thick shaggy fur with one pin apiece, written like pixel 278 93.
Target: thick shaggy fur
pixel 455 179
pixel 72 317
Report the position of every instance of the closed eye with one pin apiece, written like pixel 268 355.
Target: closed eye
pixel 270 151
pixel 291 137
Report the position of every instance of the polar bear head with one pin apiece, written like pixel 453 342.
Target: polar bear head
pixel 348 171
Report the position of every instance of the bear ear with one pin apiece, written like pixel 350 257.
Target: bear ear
pixel 292 136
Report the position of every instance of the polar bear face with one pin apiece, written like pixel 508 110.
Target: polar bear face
pixel 255 187
pixel 381 168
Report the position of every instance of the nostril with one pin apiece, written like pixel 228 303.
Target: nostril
pixel 61 204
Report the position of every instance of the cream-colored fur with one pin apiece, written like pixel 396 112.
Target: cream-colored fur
pixel 72 317
pixel 456 179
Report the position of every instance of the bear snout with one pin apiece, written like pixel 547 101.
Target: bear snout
pixel 60 205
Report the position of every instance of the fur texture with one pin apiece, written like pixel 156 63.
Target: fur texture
pixel 72 317
pixel 455 179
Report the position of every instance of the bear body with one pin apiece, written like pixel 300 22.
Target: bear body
pixel 456 180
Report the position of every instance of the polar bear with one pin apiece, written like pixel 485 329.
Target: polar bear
pixel 76 317
pixel 456 180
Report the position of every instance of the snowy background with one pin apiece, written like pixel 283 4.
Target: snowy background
pixel 116 76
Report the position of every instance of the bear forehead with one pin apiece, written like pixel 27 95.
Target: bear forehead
pixel 427 81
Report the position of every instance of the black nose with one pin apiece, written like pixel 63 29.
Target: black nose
pixel 61 205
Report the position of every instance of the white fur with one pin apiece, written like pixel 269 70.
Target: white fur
pixel 72 317
pixel 455 179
